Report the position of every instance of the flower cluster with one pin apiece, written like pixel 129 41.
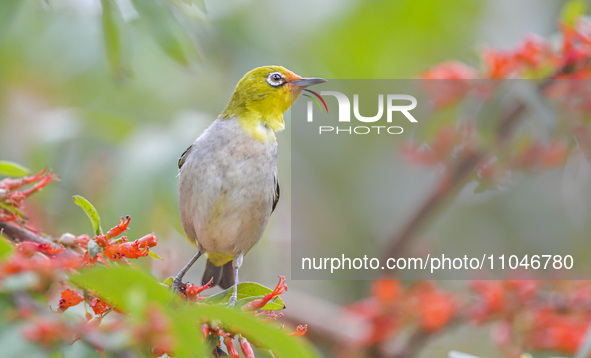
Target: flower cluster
pixel 13 192
pixel 526 315
pixel 220 335
pixel 392 308
pixel 557 69
pixel 38 266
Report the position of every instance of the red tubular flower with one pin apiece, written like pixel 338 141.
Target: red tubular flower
pixel 551 330
pixel 246 348
pixel 452 70
pixel 149 240
pixel 300 330
pixel 29 248
pixel 192 292
pixel 16 197
pixel 82 241
pixel 436 308
pixel 261 302
pixel 99 307
pixel 102 241
pixel 386 291
pixel 232 352
pixel 10 184
pixel 69 298
pixel 130 250
pixel 46 179
pixel 525 290
pixel 120 228
pixel 499 65
pixel 205 330
pixel 493 299
pixel 455 84
pixel 534 52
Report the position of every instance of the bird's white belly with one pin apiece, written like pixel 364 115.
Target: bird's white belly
pixel 227 186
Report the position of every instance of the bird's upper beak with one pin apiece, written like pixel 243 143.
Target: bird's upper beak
pixel 305 82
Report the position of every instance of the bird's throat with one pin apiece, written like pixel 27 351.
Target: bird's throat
pixel 263 129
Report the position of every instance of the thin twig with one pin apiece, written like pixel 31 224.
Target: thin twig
pixel 16 234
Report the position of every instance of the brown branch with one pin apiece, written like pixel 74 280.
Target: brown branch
pixel 453 180
pixel 447 185
pixel 16 234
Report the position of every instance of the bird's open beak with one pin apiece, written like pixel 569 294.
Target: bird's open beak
pixel 305 82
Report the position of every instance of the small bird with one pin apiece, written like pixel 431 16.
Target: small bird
pixel 228 184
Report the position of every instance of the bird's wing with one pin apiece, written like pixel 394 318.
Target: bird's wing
pixel 276 196
pixel 184 156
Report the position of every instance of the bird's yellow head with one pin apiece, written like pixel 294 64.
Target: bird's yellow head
pixel 263 95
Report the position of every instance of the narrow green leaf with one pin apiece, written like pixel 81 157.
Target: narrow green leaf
pixel 12 209
pixel 247 291
pixel 6 249
pixel 11 169
pixel 112 24
pixel 153 254
pixel 91 212
pixel 572 10
pixel 165 28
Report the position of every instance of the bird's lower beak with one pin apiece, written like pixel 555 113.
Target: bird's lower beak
pixel 305 82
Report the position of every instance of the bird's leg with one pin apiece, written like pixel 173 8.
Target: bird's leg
pixel 236 265
pixel 178 279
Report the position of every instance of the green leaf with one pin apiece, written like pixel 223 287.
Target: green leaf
pixel 125 287
pixel 91 212
pixel 247 291
pixel 12 209
pixel 259 333
pixel 112 23
pixel 6 249
pixel 11 169
pixel 153 254
pixel 133 291
pixel 169 281
pixel 572 10
pixel 93 248
pixel 187 333
pixel 165 28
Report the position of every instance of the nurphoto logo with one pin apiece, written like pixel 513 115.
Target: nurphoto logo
pixel 401 103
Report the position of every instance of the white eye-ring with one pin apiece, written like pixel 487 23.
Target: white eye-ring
pixel 276 79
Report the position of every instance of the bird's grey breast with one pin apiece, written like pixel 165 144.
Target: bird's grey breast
pixel 227 187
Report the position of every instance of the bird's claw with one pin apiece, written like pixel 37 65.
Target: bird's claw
pixel 233 300
pixel 177 283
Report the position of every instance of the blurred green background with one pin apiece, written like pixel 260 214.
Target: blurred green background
pixel 109 100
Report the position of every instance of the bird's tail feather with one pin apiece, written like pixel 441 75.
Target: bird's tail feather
pixel 222 275
pixel 227 276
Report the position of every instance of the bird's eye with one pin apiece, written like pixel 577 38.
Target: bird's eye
pixel 276 79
